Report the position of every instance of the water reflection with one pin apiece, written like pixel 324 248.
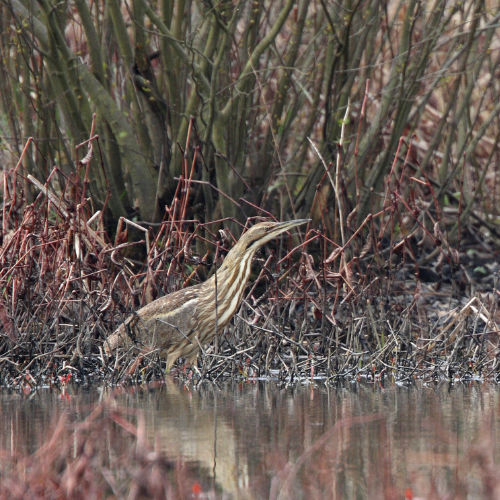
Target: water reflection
pixel 257 440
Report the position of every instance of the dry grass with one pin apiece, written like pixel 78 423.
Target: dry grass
pixel 387 303
pixel 378 121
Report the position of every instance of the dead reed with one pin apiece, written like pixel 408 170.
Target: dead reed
pixel 396 299
pixel 380 122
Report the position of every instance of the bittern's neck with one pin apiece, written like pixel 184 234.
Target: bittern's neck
pixel 228 285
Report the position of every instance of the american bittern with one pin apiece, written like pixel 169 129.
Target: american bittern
pixel 179 323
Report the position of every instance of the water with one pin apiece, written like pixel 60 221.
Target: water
pixel 259 440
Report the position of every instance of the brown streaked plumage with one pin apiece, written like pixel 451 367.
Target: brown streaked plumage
pixel 179 323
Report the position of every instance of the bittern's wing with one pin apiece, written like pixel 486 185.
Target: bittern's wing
pixel 160 324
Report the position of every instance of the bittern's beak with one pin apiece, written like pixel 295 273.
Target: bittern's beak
pixel 284 226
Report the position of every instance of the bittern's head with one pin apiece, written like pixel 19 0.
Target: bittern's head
pixel 261 233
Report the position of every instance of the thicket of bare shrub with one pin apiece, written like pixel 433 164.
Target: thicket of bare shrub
pixel 153 126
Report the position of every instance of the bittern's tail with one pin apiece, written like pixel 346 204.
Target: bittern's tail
pixel 119 338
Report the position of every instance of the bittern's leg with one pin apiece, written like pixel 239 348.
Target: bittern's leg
pixel 171 359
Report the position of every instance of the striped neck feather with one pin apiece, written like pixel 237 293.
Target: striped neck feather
pixel 229 282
